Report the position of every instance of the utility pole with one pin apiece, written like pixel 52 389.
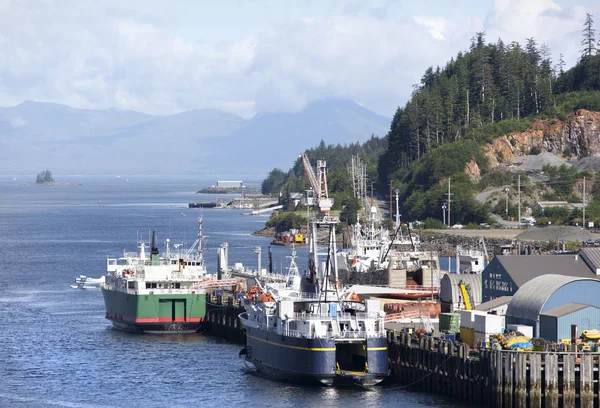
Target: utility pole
pixel 397 211
pixel 583 202
pixel 449 194
pixel 506 189
pixel 519 198
pixel 372 194
pixel 391 214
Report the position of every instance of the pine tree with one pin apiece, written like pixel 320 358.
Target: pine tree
pixel 589 37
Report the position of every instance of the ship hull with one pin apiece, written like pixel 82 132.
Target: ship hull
pixel 156 313
pixel 316 361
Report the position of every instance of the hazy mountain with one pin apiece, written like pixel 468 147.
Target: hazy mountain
pixel 276 140
pixel 36 136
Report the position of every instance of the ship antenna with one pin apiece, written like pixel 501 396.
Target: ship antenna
pixel 200 237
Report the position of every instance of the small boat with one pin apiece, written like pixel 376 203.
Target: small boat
pixel 85 282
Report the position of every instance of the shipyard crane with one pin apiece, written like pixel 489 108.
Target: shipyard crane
pixel 328 270
pixel 318 184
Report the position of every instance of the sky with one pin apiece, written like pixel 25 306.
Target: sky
pixel 255 56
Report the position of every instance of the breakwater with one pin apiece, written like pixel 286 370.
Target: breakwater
pixel 494 378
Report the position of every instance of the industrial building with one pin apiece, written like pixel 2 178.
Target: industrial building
pixel 555 324
pixel 230 184
pixel 451 297
pixel 547 292
pixel 505 274
pixel 497 306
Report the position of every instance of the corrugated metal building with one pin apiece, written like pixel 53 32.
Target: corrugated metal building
pixel 451 298
pixel 555 324
pixel 506 274
pixel 547 292
pixel 591 257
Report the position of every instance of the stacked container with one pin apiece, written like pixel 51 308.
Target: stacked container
pixel 486 325
pixel 450 322
pixel 521 328
pixel 467 325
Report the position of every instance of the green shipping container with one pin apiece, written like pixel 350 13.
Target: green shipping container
pixel 450 322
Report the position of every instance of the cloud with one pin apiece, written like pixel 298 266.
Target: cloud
pixel 437 26
pixel 89 55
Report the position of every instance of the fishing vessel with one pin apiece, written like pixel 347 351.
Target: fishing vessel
pixel 396 261
pixel 157 293
pixel 319 337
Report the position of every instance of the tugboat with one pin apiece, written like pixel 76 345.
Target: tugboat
pixel 157 293
pixel 320 337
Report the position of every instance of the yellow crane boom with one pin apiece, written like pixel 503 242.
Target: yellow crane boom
pixel 465 295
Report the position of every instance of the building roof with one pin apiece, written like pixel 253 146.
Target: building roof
pixel 566 309
pixel 450 291
pixel 494 303
pixel 553 203
pixel 591 256
pixel 530 299
pixel 523 268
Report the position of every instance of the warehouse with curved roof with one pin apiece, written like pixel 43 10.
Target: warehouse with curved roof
pixel 547 292
pixel 451 298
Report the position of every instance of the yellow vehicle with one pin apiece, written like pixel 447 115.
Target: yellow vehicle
pixel 298 238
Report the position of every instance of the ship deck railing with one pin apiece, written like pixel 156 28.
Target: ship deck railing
pixel 351 334
pixel 339 316
pixel 415 288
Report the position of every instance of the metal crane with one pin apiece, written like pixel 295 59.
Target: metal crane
pixel 318 183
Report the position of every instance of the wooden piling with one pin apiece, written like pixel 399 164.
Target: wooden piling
pixel 568 381
pixel 499 378
pixel 586 387
pixel 508 379
pixel 551 380
pixel 535 381
pixel 520 371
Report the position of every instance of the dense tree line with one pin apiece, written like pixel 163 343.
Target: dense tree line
pixel 338 159
pixel 490 90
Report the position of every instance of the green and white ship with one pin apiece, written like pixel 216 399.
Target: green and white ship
pixel 157 293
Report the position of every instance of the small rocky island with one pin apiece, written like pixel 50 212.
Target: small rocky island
pixel 44 178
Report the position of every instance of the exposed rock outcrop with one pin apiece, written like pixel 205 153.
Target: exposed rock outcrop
pixel 472 171
pixel 576 138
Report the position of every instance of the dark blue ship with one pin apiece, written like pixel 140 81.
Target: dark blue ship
pixel 313 341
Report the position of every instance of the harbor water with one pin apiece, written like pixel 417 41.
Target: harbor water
pixel 58 350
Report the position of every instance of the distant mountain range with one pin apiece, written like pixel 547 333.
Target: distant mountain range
pixel 35 136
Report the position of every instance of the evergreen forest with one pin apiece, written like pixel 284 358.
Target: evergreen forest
pixel 487 91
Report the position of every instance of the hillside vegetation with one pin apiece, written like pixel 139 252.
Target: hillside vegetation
pixel 489 91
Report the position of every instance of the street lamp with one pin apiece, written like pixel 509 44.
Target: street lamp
pixel 444 212
pixel 506 189
pixel 396 191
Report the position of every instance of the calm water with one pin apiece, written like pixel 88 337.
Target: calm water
pixel 58 350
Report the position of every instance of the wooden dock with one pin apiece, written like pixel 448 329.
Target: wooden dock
pixel 222 317
pixel 495 378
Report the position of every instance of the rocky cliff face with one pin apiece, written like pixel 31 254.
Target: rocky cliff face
pixel 576 138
